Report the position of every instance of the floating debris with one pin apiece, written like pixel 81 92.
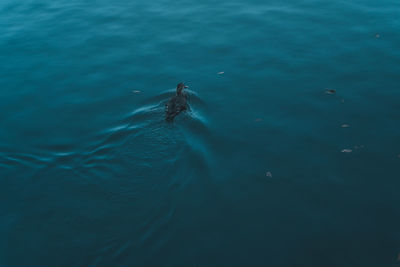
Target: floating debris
pixel 136 91
pixel 398 156
pixel 398 257
pixel 221 72
pixel 377 35
pixel 342 101
pixel 345 126
pixel 330 91
pixel 258 120
pixel 269 174
pixel 347 150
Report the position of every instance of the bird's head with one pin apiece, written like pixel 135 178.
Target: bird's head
pixel 180 87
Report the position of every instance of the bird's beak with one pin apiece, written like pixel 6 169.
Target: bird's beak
pixel 185 86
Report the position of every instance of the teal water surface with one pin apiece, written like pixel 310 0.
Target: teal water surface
pixel 268 168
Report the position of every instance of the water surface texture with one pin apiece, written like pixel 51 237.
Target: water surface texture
pixel 266 169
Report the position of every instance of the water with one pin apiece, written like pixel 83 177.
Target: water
pixel 92 175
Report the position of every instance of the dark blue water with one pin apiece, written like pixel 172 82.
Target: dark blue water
pixel 266 169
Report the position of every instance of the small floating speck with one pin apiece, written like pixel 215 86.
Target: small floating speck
pixel 345 126
pixel 342 101
pixel 136 91
pixel 269 174
pixel 330 91
pixel 347 150
pixel 221 72
pixel 398 156
pixel 377 35
pixel 258 120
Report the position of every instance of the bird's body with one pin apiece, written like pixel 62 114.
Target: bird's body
pixel 176 104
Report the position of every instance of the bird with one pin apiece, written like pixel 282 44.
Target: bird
pixel 177 103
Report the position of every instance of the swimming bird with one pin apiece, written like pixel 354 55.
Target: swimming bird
pixel 177 103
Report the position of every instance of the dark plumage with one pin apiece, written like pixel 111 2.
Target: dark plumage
pixel 176 104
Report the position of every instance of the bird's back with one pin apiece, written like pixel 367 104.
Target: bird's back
pixel 175 105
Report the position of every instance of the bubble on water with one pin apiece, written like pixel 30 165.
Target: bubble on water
pixel 330 91
pixel 347 150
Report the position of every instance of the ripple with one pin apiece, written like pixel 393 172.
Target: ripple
pixel 24 159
